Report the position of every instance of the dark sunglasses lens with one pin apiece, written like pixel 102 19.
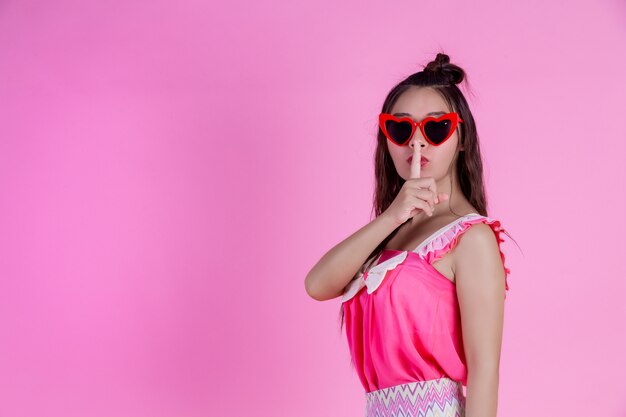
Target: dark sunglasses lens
pixel 400 132
pixel 437 132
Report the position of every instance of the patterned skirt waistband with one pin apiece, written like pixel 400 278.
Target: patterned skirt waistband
pixel 441 397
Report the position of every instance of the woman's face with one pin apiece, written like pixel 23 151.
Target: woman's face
pixel 417 103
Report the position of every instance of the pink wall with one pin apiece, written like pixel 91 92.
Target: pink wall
pixel 170 172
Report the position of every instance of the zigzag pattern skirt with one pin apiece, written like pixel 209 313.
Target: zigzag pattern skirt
pixel 441 397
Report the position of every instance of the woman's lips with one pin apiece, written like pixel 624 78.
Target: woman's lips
pixel 423 162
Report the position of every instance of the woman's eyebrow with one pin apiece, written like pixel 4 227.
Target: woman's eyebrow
pixel 432 113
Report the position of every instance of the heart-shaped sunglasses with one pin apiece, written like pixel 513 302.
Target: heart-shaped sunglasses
pixel 436 130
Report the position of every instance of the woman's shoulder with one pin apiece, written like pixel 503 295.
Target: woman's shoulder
pixel 480 236
pixel 471 232
pixel 476 232
pixel 478 229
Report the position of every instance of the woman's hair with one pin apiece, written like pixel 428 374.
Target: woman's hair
pixel 443 77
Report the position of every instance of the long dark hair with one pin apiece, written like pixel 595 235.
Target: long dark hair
pixel 443 77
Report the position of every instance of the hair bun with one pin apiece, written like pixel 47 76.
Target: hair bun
pixel 441 67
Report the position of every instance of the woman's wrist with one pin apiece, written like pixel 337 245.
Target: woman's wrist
pixel 387 222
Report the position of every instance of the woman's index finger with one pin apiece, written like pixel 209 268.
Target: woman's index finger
pixel 416 162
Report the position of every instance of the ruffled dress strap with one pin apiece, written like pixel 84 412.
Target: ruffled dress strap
pixel 446 239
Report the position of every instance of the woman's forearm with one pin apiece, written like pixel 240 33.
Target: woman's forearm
pixel 336 268
pixel 482 393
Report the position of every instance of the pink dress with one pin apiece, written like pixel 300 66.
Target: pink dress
pixel 406 326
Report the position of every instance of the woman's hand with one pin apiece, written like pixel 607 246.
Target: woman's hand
pixel 417 194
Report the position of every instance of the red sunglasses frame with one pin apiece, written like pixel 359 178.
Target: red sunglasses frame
pixel 452 116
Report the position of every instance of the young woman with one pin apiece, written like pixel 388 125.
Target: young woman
pixel 423 285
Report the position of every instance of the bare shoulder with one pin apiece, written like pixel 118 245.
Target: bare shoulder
pixel 477 233
pixel 477 243
pixel 478 240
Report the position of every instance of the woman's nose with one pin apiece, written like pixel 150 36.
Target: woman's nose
pixel 418 140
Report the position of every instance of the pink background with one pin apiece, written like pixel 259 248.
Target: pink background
pixel 170 172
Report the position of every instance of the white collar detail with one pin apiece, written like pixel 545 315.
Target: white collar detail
pixel 375 276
